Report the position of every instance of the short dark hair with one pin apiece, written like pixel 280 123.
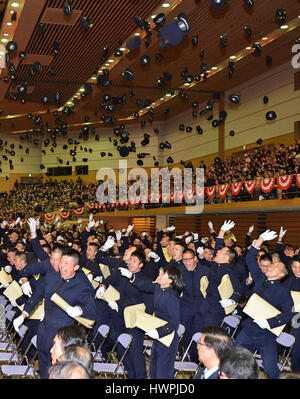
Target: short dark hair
pixel 94 244
pixel 22 256
pixel 266 257
pixel 240 364
pixel 140 255
pixel 188 250
pixel 295 258
pixel 218 340
pixel 72 335
pixel 73 254
pixel 176 277
pixel 58 248
pixel 287 246
pixel 232 255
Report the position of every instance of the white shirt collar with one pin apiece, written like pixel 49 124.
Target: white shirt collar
pixel 208 373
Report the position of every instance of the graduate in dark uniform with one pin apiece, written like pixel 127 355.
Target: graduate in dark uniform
pixel 166 290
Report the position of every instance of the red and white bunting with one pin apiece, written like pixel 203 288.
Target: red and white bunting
pixel 49 217
pixel 250 185
pixel 179 195
pixel 91 205
pixel 64 215
pixel 222 190
pixel 79 211
pixel 267 185
pixel 165 198
pixel 200 192
pixel 210 191
pixel 297 177
pixel 284 182
pixel 189 195
pixel 236 188
pixel 172 197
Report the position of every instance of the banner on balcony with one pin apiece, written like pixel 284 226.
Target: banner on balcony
pixel 64 215
pixel 222 190
pixel 236 188
pixel 91 205
pixel 189 196
pixel 79 211
pixel 49 217
pixel 250 186
pixel 200 192
pixel 210 191
pixel 297 177
pixel 284 182
pixel 267 185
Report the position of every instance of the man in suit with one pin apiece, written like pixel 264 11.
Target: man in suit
pixel 213 346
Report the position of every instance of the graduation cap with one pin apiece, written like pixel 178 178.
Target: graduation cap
pixel 234 98
pixel 133 42
pixel 218 3
pixel 11 46
pixel 84 23
pixel 271 115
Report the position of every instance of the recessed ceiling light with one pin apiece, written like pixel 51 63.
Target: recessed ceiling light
pixel 232 57
pixel 93 78
pixel 9 23
pixel 69 103
pixel 15 4
pixel 4 40
pixel 137 34
pixel 284 26
pixel 165 5
pixel 110 61
pixel 122 48
pixel 107 64
pixel 248 48
pixel 81 89
pixel 153 16
pixel 208 71
pixel 168 95
pixel 186 84
pixel 214 68
pixel 264 38
pixel 5 34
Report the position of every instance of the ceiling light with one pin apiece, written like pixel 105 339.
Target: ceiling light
pixel 137 34
pixel 284 26
pixel 5 34
pixel 264 38
pixel 214 68
pixel 9 23
pixel 81 89
pixel 4 40
pixel 168 95
pixel 15 4
pixel 165 5
pixel 93 78
pixel 232 57
pixel 110 60
pixel 107 64
pixel 248 48
pixel 153 16
pixel 122 48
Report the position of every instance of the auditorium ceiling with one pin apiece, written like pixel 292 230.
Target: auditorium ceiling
pixel 107 62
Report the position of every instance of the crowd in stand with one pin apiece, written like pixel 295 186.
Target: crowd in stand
pixel 261 162
pixel 179 279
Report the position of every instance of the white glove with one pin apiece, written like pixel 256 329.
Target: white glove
pixel 210 225
pixel 227 302
pixel 154 256
pixel 91 224
pixel 18 322
pixel 100 291
pixel 195 236
pixel 179 237
pixel 3 224
pixel 204 240
pixel 79 221
pixel 125 272
pixel 282 233
pixel 118 235
pixel 26 289
pixel 17 221
pixel 152 334
pixel 113 305
pixel 109 243
pixel 4 285
pixel 200 251
pixel 37 220
pixel 268 235
pixel 188 239
pixel 32 225
pixel 227 225
pixel 186 233
pixel 13 302
pixel 144 234
pixel 98 278
pixel 97 224
pixel 171 228
pixel 251 228
pixel 262 323
pixel 129 228
pixel 74 311
pixel 7 269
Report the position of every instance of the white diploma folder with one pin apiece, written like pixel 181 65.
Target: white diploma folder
pixel 226 290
